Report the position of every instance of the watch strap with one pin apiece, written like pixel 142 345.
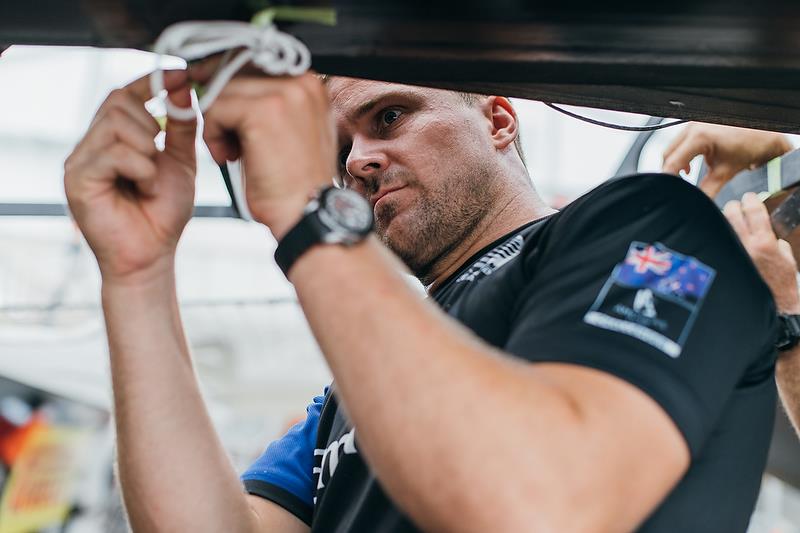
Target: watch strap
pixel 789 334
pixel 305 234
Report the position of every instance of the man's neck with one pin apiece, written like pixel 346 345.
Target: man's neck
pixel 520 208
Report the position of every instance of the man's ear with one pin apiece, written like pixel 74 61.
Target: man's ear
pixel 504 125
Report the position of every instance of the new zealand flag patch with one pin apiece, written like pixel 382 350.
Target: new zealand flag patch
pixel 653 295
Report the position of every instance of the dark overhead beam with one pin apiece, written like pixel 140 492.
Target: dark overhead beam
pixel 704 60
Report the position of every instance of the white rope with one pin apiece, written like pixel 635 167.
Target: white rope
pixel 274 52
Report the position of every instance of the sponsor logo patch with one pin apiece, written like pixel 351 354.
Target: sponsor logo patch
pixel 654 295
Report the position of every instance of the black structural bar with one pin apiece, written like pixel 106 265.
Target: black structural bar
pixel 711 60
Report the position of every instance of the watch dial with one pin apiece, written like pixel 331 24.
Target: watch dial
pixel 349 209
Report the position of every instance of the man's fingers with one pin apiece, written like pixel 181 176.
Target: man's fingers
pixel 133 96
pixel 140 88
pixel 118 125
pixel 733 212
pixel 219 128
pixel 181 134
pixel 201 71
pixel 119 99
pixel 756 215
pixel 122 161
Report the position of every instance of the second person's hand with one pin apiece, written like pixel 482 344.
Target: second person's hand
pixel 727 150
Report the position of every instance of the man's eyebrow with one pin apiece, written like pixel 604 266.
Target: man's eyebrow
pixel 369 105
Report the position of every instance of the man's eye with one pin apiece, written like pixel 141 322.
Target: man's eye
pixel 389 116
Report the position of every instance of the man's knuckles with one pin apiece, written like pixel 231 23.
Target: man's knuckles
pixel 71 164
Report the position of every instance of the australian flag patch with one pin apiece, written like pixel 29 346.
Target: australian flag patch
pixel 654 295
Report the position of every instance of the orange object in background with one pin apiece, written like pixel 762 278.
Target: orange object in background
pixel 14 439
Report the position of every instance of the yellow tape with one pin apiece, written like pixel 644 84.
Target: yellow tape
pixel 318 15
pixel 774 175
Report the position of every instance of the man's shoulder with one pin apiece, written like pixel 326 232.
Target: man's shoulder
pixel 646 187
pixel 639 200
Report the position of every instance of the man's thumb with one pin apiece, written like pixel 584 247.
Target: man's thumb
pixel 181 134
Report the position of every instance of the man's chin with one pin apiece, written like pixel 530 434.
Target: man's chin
pixel 400 236
pixel 393 230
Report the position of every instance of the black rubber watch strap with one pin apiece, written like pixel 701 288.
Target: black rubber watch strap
pixel 301 237
pixel 789 334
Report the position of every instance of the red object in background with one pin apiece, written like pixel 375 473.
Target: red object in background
pixel 13 439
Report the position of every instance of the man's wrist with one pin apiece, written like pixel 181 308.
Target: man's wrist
pixel 280 219
pixel 152 278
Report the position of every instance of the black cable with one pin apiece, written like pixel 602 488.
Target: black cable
pixel 614 126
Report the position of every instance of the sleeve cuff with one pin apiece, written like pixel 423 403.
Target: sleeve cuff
pixel 281 497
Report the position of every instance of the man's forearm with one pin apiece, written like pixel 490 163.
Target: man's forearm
pixel 175 474
pixel 430 404
pixel 787 375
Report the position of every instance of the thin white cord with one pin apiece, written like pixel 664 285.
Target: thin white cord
pixel 275 52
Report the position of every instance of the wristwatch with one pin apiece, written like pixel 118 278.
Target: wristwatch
pixel 333 216
pixel 789 334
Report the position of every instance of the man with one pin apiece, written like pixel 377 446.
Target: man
pixel 568 372
pixel 728 151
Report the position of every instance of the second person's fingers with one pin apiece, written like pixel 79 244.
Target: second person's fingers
pixel 677 141
pixel 756 215
pixel 786 249
pixel 681 157
pixel 733 212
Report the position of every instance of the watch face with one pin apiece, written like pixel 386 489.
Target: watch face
pixel 348 210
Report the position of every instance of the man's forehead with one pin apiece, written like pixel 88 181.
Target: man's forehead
pixel 349 96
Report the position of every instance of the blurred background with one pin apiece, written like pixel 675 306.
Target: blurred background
pixel 257 361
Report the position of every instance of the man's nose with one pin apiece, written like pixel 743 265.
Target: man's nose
pixel 366 160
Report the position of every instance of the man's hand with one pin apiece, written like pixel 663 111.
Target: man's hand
pixel 772 256
pixel 283 131
pixel 727 151
pixel 130 200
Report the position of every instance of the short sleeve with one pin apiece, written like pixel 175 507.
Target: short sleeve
pixel 283 474
pixel 644 279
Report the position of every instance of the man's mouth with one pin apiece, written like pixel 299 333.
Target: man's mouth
pixel 381 194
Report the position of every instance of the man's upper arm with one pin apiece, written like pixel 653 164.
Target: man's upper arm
pixel 648 283
pixel 648 315
pixel 628 447
pixel 283 475
pixel 272 518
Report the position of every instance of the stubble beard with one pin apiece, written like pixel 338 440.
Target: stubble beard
pixel 440 220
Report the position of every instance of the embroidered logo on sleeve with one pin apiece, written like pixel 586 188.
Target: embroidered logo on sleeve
pixel 654 295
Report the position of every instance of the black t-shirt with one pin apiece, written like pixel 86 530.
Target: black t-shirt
pixel 641 278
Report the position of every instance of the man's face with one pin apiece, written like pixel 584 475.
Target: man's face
pixel 421 157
